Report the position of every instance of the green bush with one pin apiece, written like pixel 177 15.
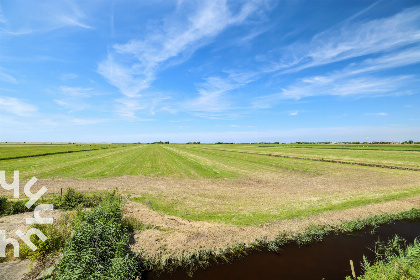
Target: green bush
pixel 3 203
pixel 13 207
pixel 56 233
pixel 16 207
pixel 99 247
pixel 71 199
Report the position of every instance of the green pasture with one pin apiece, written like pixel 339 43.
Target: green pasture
pixel 397 155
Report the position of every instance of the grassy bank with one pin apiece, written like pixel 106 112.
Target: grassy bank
pixel 395 259
pixel 203 258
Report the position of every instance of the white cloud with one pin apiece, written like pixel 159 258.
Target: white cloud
pixel 294 113
pixel 76 91
pixel 133 66
pixel 395 59
pixel 72 105
pixel 6 77
pixel 16 107
pixel 21 18
pixel 213 94
pixel 128 79
pixel 354 39
pixel 212 98
pixel 73 98
pixel 341 85
pixel 79 121
pixel 376 114
pixel 127 107
pixel 69 76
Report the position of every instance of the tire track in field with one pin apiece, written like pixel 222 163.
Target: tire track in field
pixel 319 159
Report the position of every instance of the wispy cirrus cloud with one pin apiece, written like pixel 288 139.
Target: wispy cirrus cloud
pixel 133 66
pixel 391 42
pixel 16 107
pixel 75 91
pixel 5 76
pixel 68 76
pixel 72 98
pixel 215 94
pixel 354 39
pixel 19 18
pixel 376 114
pixel 360 86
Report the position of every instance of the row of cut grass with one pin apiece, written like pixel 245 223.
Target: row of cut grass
pixel 147 160
pixel 387 157
pixel 11 151
pixel 189 208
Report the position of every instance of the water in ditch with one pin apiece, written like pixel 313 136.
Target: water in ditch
pixel 328 259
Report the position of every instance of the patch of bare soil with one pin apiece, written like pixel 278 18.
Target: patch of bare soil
pixel 14 270
pixel 14 222
pixel 17 269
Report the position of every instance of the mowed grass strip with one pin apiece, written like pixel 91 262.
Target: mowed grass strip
pixel 235 211
pixel 10 151
pixel 81 164
pixel 402 158
pixel 147 160
pixel 259 163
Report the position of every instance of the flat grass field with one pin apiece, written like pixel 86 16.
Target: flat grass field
pixel 206 196
pixel 216 183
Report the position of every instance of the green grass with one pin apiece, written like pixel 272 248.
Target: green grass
pixel 10 151
pixel 148 160
pixel 204 258
pixel 182 207
pixel 397 155
pixel 181 160
pixel 395 259
pixel 273 188
pixel 250 162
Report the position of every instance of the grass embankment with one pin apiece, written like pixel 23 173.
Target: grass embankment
pixel 204 258
pixel 394 260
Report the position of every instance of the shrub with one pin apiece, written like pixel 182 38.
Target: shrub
pixel 16 207
pixel 70 199
pixel 99 247
pixel 3 202
pixel 57 234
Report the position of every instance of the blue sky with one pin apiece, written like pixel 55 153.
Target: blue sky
pixel 240 71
